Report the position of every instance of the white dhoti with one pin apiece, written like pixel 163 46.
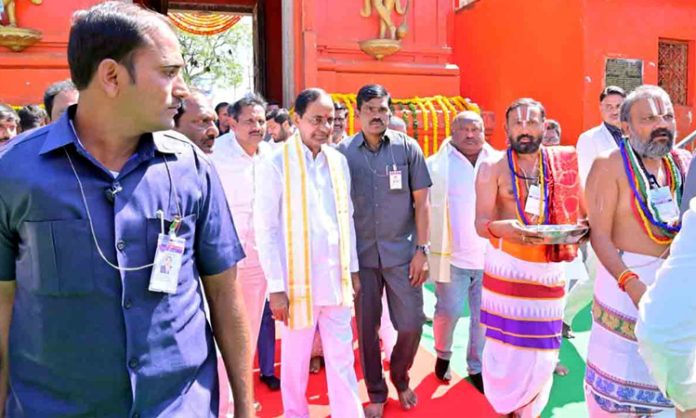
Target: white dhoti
pixel 522 310
pixel 666 329
pixel 334 323
pixel 616 377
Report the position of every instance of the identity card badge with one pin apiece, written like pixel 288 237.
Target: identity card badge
pixel 168 258
pixel 533 200
pixel 661 199
pixel 395 179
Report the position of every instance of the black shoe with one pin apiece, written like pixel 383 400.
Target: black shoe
pixel 442 370
pixel 477 381
pixel 567 332
pixel 272 382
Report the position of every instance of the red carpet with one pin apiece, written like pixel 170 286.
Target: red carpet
pixel 459 398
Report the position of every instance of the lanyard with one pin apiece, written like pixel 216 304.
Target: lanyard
pixel 654 184
pixel 174 226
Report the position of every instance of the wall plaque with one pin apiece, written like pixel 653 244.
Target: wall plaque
pixel 625 73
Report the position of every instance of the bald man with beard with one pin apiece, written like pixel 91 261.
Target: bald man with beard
pixel 633 195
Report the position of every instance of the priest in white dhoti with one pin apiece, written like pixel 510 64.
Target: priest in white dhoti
pixel 303 217
pixel 666 328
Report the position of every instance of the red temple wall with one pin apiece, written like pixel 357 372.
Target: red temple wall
pixel 618 29
pixel 511 49
pixel 25 75
pixel 329 55
pixel 555 52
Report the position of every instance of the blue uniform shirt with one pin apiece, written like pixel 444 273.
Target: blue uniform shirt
pixel 86 339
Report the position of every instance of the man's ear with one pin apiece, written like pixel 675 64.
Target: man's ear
pixel 109 76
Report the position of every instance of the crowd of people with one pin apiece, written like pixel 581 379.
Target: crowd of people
pixel 146 235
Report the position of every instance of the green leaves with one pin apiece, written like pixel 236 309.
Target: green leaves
pixel 217 60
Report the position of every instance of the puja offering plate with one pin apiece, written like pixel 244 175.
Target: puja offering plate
pixel 559 234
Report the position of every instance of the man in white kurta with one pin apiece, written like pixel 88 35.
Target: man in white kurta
pixel 236 157
pixel 666 328
pixel 306 237
pixel 457 256
pixel 592 143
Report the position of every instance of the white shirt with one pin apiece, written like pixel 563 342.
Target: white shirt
pixel 591 144
pixel 323 223
pixel 468 248
pixel 275 145
pixel 237 171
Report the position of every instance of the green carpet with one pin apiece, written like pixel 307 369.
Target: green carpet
pixel 567 397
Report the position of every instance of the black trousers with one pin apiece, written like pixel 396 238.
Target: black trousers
pixel 406 310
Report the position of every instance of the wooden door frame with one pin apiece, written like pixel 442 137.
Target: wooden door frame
pixel 259 27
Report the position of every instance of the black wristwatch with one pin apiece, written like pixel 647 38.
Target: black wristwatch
pixel 425 249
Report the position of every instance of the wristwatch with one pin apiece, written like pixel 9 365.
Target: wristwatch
pixel 425 249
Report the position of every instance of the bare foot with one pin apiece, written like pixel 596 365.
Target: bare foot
pixel 315 365
pixel 408 399
pixel 374 410
pixel 560 369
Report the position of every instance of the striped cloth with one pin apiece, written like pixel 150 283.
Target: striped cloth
pixel 522 309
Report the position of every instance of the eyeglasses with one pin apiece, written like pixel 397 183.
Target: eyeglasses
pixel 321 121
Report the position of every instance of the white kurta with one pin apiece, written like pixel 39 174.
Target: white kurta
pixel 332 319
pixel 591 144
pixel 237 171
pixel 666 328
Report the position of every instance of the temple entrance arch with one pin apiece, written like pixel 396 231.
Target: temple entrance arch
pixel 273 36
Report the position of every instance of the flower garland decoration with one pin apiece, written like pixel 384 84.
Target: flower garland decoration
pixel 414 115
pixel 433 112
pixel 418 113
pixel 513 165
pixel 449 104
pixel 445 114
pixel 424 114
pixel 404 116
pixel 643 209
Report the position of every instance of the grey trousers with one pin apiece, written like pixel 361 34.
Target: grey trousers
pixel 406 309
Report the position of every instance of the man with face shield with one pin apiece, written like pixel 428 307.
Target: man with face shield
pixel 634 195
pixel 523 281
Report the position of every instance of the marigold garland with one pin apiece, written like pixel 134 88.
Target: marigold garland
pixel 414 115
pixel 424 113
pixel 418 109
pixel 445 114
pixel 433 112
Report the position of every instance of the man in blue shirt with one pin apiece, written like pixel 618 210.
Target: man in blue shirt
pixel 85 204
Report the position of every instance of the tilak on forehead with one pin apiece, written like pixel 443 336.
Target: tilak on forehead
pixel 524 113
pixel 657 105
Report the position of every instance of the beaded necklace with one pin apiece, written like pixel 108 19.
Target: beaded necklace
pixel 517 192
pixel 640 183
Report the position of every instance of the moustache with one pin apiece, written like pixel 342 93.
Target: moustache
pixel 380 121
pixel 525 136
pixel 661 132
